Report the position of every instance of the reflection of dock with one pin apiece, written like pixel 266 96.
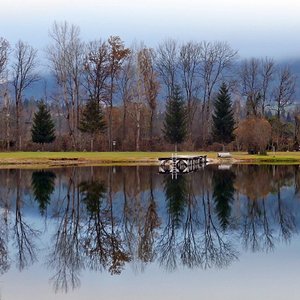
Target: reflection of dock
pixel 181 163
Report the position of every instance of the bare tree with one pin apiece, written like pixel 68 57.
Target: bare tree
pixel 189 62
pixel 117 54
pixel 125 85
pixel 4 52
pixel 66 58
pixel 284 92
pixel 167 64
pixel 4 47
pixel 251 85
pixel 216 59
pixel 267 74
pixel 24 75
pixel 96 69
pixel 149 82
pixel 257 76
pixel 137 95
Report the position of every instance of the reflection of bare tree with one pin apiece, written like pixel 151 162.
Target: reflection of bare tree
pixel 256 231
pixel 146 246
pixel 117 254
pixel 190 250
pixel 94 235
pixel 66 257
pixel 167 246
pixel 286 218
pixel 206 246
pixel 4 230
pixel 24 233
pixel 216 250
pixel 296 178
pixel 176 197
pixel 267 230
pixel 4 264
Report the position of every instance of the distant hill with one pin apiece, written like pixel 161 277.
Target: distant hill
pixel 47 84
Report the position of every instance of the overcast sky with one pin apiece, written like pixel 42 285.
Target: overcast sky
pixel 255 28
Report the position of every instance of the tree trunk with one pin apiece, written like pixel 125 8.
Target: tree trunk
pixel 7 121
pixel 138 130
pixel 19 139
pixel 151 129
pixel 124 124
pixel 92 144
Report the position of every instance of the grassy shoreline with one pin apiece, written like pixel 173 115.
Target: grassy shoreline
pixel 52 159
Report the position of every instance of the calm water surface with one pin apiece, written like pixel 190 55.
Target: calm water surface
pixel 131 233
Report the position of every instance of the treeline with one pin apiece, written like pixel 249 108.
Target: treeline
pixel 128 88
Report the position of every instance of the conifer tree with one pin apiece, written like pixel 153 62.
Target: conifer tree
pixel 175 124
pixel 92 120
pixel 43 128
pixel 223 119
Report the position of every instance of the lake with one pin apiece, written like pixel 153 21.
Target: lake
pixel 223 232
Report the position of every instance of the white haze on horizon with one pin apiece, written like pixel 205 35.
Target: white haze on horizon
pixel 254 28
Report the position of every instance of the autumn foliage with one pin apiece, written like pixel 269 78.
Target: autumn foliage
pixel 253 135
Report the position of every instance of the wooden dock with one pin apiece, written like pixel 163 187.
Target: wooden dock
pixel 181 163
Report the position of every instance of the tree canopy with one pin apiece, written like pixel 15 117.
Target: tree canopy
pixel 92 119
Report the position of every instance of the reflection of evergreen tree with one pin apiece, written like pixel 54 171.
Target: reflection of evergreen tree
pixel 92 193
pixel 43 186
pixel 223 192
pixel 176 194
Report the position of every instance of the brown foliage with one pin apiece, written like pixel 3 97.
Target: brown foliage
pixel 254 134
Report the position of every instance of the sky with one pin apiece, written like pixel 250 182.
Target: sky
pixel 255 28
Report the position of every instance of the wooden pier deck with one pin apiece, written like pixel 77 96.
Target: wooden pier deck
pixel 181 163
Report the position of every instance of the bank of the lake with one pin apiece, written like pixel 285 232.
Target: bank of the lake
pixel 44 159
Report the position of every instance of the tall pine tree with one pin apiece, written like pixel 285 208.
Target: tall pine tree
pixel 43 128
pixel 92 119
pixel 175 124
pixel 223 119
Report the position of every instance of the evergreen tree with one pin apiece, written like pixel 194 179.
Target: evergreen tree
pixel 175 124
pixel 43 128
pixel 223 120
pixel 92 119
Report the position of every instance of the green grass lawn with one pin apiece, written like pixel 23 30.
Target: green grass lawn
pixel 133 157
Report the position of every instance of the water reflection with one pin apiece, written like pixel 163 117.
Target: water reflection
pixel 42 186
pixel 223 193
pixel 102 220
